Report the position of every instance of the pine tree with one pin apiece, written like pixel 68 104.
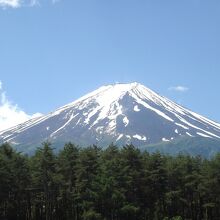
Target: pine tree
pixel 133 180
pixel 87 189
pixel 14 181
pixel 44 182
pixel 67 165
pixel 158 184
pixel 110 179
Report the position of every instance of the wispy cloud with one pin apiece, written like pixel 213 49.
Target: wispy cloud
pixel 21 3
pixel 179 88
pixel 55 1
pixel 11 114
pixel 34 3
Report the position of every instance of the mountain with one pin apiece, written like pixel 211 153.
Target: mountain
pixel 119 113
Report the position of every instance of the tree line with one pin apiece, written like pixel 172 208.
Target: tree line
pixel 107 184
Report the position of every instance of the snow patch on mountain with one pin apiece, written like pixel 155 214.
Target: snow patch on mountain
pixel 126 121
pixel 139 137
pixel 136 108
pixel 189 134
pixel 119 137
pixel 203 135
pixel 183 126
pixel 165 140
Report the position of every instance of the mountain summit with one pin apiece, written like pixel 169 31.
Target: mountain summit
pixel 119 113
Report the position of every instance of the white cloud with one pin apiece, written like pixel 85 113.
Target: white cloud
pixel 179 88
pixel 10 3
pixel 10 114
pixel 21 3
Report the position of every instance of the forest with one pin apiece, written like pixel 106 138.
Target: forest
pixel 107 184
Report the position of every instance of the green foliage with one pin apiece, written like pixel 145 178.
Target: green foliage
pixel 110 184
pixel 91 215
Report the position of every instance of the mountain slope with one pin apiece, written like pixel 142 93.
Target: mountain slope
pixel 120 113
pixel 205 147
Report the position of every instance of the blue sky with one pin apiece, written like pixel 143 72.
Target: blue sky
pixel 52 52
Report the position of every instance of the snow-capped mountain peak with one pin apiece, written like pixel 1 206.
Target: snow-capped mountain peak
pixel 120 113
